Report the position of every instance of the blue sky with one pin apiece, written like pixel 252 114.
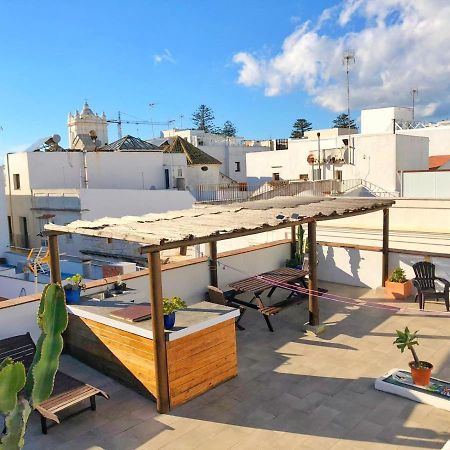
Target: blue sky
pixel 258 63
pixel 54 56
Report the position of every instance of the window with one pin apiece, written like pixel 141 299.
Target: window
pixel 275 176
pixel 338 175
pixel 304 176
pixel 24 232
pixel 180 172
pixel 11 237
pixel 238 166
pixel 16 179
pixel 316 174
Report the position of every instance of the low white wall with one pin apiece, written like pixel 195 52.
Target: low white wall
pixel 360 268
pixel 19 319
pixel 11 287
pixel 434 184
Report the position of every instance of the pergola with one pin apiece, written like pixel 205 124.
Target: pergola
pixel 210 224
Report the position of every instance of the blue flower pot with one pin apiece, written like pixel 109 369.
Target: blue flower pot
pixel 72 296
pixel 169 321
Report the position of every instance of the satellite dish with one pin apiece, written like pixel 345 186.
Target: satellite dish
pixel 310 159
pixel 93 135
pixel 56 138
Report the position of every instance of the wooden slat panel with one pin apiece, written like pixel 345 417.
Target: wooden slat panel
pixel 124 356
pixel 200 361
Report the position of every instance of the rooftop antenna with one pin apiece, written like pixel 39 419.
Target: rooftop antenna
pixel 347 60
pixel 414 94
pixel 151 106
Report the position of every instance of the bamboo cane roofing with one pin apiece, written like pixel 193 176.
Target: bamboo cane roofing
pixel 204 223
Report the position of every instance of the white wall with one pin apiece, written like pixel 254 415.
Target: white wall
pixel 381 120
pixel 439 138
pixel 4 233
pixel 19 319
pixel 433 184
pixel 98 203
pixel 11 287
pixel 120 170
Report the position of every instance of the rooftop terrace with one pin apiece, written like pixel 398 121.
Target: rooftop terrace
pixel 292 390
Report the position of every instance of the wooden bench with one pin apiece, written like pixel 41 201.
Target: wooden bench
pixel 67 391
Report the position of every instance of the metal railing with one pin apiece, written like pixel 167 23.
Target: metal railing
pixel 238 192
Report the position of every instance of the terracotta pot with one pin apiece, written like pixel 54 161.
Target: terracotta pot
pixel 399 290
pixel 421 376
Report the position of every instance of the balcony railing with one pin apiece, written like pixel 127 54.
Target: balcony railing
pixel 238 192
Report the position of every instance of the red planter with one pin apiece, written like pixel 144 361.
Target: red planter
pixel 421 376
pixel 399 290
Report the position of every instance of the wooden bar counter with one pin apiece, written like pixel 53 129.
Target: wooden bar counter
pixel 200 350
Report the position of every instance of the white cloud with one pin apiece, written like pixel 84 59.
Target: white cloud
pixel 165 56
pixel 399 44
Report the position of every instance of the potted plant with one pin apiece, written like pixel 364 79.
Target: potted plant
pixel 420 370
pixel 170 305
pixel 119 285
pixel 297 261
pixel 72 289
pixel 398 286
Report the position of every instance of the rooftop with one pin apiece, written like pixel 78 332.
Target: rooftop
pixel 194 155
pixel 292 391
pixel 130 143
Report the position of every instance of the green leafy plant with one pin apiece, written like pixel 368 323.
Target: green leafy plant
pixel 406 340
pixel 398 276
pixel 172 304
pixel 20 392
pixel 300 250
pixel 74 283
pixel 119 284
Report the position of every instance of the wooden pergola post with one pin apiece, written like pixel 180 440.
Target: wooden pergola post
pixel 385 258
pixel 213 264
pixel 293 241
pixel 159 337
pixel 55 268
pixel 313 286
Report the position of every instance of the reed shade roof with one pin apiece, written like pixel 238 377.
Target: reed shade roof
pixel 204 223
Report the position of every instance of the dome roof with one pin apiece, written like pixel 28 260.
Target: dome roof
pixel 86 110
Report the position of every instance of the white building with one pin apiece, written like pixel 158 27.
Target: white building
pixel 400 120
pixel 127 177
pixel 377 157
pixel 87 129
pixel 4 237
pixel 230 151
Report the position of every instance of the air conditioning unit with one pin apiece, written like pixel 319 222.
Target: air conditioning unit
pixel 181 184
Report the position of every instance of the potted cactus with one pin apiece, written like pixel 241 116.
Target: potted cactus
pixel 170 305
pixel 420 370
pixel 398 286
pixel 20 392
pixel 72 288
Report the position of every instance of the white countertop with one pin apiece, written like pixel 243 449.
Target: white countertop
pixel 194 318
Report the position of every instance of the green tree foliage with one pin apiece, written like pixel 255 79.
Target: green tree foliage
pixel 229 129
pixel 299 128
pixel 203 119
pixel 343 121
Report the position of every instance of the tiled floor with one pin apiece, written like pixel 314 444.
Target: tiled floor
pixel 293 391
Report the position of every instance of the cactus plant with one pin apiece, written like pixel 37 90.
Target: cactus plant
pixel 19 393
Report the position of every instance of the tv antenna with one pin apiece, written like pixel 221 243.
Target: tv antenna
pixel 414 94
pixel 347 60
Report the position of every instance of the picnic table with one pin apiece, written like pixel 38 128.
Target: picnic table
pixel 257 284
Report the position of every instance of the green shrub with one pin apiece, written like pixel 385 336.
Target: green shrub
pixel 172 304
pixel 398 276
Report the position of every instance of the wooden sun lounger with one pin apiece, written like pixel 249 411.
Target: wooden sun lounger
pixel 68 391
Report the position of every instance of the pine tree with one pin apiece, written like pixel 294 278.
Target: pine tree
pixel 299 128
pixel 228 129
pixel 203 118
pixel 343 121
